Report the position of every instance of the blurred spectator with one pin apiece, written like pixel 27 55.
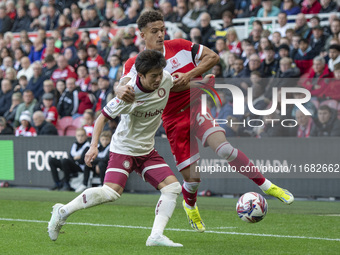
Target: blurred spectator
pixel 131 18
pixel 7 63
pixel 223 52
pixel 318 78
pixel 334 56
pixel 128 47
pixel 327 123
pixel 207 31
pixel 50 66
pixel 116 46
pixel 304 56
pixel 168 12
pixel 102 93
pixel 94 20
pixel 93 59
pixel 251 9
pixel 304 127
pixel 50 48
pixel 10 9
pixel 18 55
pixel 240 6
pixel 270 128
pixel 217 71
pixel 103 47
pixel 193 17
pixel 255 34
pixel 72 165
pixel 22 21
pixel 283 25
pixel 81 56
pixel 233 42
pixel 25 128
pixel 227 18
pixel 83 4
pixel 37 50
pixel 23 82
pixel 64 70
pixel 332 91
pixel 5 21
pixel 43 127
pixel 5 129
pixel 77 21
pixel 335 30
pixel 100 6
pixel 287 69
pixel 249 49
pixel 301 27
pixel 60 87
pixel 35 84
pixel 28 105
pixel 253 65
pixel 48 89
pixel 11 75
pixel 69 51
pixel 317 41
pixel 83 78
pixel 264 43
pixel 310 7
pixel 103 70
pixel 217 7
pixel 9 115
pixel 236 70
pixel 115 68
pixel 182 9
pixel 270 64
pixel 268 9
pixel 88 122
pixel 5 96
pixel 99 165
pixel 195 35
pixel 328 6
pixel 57 38
pixel 34 14
pixel 52 18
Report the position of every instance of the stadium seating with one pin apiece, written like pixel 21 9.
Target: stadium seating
pixel 331 103
pixel 70 130
pixel 78 122
pixel 63 123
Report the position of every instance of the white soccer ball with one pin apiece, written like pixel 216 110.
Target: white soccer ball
pixel 251 207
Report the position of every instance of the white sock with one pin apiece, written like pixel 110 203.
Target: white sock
pixel 165 207
pixel 266 185
pixel 89 198
pixel 227 151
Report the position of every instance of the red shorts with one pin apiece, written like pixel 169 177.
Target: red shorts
pixel 152 168
pixel 183 128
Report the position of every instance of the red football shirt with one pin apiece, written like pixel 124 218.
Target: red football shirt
pixel 181 56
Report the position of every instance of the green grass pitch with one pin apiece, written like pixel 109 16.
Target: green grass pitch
pixel 304 227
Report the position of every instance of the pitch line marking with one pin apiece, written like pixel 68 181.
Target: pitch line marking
pixel 180 230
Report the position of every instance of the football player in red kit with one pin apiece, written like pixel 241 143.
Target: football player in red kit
pixel 185 61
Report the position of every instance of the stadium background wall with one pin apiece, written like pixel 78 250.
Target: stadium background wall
pixel 31 168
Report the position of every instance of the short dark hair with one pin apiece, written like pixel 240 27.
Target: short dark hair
pixel 304 40
pixel 149 17
pixel 325 107
pixel 148 60
pixel 92 46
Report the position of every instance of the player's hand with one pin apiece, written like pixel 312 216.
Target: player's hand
pixel 125 93
pixel 181 79
pixel 209 80
pixel 91 155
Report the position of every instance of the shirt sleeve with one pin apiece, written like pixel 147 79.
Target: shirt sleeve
pixel 116 107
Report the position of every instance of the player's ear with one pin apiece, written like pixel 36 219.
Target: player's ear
pixel 142 34
pixel 140 74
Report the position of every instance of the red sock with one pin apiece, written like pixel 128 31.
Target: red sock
pixel 242 160
pixel 190 198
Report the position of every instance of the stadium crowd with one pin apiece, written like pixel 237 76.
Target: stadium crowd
pixel 61 71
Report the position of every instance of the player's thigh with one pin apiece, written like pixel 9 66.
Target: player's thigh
pixel 190 175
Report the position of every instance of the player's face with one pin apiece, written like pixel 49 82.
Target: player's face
pixel 152 79
pixel 153 34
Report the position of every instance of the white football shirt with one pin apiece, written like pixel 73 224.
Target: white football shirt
pixel 140 120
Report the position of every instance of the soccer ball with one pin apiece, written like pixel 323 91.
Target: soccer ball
pixel 251 207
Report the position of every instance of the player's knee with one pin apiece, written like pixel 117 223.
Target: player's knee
pixel 227 151
pixel 174 188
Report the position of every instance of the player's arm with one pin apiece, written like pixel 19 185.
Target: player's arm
pixel 125 93
pixel 208 80
pixel 93 151
pixel 207 60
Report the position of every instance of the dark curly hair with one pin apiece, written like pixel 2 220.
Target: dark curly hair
pixel 148 17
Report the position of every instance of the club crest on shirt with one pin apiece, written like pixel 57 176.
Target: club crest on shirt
pixel 114 102
pixel 126 164
pixel 161 92
pixel 174 62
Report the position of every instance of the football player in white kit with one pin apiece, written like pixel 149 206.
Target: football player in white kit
pixel 132 149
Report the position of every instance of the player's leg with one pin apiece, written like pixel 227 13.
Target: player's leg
pixel 237 159
pixel 156 172
pixel 185 150
pixel 189 190
pixel 54 165
pixel 114 183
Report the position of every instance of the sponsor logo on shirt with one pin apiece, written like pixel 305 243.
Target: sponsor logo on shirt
pixel 147 114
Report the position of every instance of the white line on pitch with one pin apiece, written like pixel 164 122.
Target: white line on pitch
pixel 331 215
pixel 182 230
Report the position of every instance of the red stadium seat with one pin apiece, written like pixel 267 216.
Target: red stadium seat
pixel 70 131
pixel 63 123
pixel 316 103
pixel 331 103
pixel 78 122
